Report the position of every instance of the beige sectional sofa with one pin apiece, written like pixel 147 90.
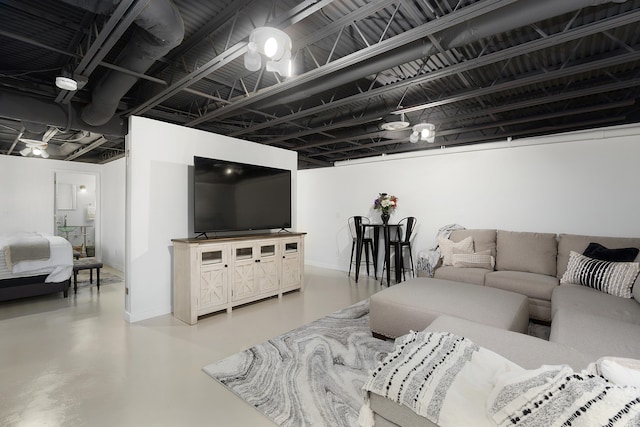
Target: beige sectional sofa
pixel 586 324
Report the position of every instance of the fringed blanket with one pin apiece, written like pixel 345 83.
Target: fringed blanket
pixel 434 374
pixel 556 396
pixel 452 381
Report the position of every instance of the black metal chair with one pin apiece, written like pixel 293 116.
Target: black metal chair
pixel 404 233
pixel 358 236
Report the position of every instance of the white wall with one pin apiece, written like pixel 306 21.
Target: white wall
pixel 583 183
pixel 160 155
pixel 27 191
pixel 27 199
pixel 113 213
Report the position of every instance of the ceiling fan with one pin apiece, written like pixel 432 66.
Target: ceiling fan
pixel 38 148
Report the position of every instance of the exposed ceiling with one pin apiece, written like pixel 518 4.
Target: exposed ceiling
pixel 480 71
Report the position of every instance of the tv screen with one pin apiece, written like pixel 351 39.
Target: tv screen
pixel 231 196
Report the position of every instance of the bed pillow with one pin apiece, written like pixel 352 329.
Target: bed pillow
pixel 615 278
pixel 482 259
pixel 447 246
pixel 597 251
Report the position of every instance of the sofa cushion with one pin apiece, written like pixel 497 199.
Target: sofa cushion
pixel 482 259
pixel 482 239
pixel 530 284
pixel 579 298
pixel 597 251
pixel 615 278
pixel 528 252
pixel 525 350
pixel 597 335
pixel 474 276
pixel 447 247
pixel 578 243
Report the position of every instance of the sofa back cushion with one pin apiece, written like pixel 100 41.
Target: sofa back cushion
pixel 528 252
pixel 578 243
pixel 482 239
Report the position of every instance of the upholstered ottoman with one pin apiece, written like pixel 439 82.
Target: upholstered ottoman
pixel 414 304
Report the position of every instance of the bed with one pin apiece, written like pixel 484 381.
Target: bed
pixel 34 264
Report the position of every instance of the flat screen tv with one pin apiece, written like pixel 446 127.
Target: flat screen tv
pixel 230 196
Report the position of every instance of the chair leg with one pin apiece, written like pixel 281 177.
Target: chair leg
pixel 374 261
pixel 366 256
pixel 413 270
pixel 353 245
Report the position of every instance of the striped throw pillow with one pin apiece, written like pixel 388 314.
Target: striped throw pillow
pixel 615 278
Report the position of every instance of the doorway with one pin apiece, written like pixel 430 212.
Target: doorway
pixel 76 214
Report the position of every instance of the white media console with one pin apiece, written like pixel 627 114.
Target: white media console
pixel 216 274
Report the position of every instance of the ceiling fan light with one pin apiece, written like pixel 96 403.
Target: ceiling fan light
pixel 36 151
pixel 65 83
pixel 44 154
pixel 414 137
pixel 25 151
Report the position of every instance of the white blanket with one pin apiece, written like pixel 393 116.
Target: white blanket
pixel 436 374
pixel 453 382
pixel 58 267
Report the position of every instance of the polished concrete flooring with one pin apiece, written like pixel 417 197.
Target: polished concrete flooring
pixel 76 362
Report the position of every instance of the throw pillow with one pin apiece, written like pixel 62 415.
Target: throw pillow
pixel 597 251
pixel 482 259
pixel 446 248
pixel 615 278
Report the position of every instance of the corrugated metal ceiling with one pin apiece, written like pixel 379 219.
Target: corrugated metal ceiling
pixel 571 70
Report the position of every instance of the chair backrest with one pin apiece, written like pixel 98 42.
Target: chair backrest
pixel 355 225
pixel 408 225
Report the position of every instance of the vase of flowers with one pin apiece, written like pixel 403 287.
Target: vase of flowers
pixel 386 204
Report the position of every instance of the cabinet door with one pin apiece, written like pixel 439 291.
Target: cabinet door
pixel 213 278
pixel 291 263
pixel 266 269
pixel 243 282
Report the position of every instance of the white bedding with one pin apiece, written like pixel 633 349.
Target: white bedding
pixel 59 266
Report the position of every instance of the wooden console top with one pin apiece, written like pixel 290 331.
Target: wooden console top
pixel 239 237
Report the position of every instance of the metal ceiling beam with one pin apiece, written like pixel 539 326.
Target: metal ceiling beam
pixel 515 51
pixel 386 46
pixel 234 52
pixel 524 104
pixel 110 34
pixel 95 144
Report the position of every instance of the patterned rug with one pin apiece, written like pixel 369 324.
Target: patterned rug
pixel 312 375
pixel 106 278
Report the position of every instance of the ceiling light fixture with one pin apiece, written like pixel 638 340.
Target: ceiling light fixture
pixel 423 132
pixel 66 83
pixel 395 124
pixel 37 148
pixel 273 43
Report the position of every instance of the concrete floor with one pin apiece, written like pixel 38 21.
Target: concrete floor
pixel 76 362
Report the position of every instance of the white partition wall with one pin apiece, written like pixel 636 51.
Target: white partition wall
pixel 582 182
pixel 160 155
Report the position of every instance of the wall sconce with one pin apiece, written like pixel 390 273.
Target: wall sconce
pixel 423 132
pixel 273 43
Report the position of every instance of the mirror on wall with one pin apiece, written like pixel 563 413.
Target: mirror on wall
pixel 75 211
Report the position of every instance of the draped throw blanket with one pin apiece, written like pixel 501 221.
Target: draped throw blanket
pixel 453 382
pixel 30 247
pixel 557 396
pixel 428 258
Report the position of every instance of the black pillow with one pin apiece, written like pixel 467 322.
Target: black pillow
pixel 597 251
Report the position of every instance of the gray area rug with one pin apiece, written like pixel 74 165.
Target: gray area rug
pixel 312 375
